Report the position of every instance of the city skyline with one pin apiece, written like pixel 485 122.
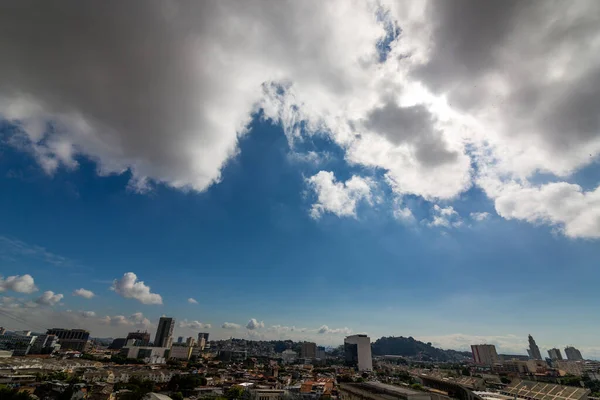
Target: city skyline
pixel 382 169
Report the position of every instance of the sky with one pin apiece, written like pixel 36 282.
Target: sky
pixel 303 170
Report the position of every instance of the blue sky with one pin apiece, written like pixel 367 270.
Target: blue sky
pixel 388 168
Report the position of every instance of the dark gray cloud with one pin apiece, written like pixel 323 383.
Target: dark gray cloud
pixel 539 54
pixel 413 125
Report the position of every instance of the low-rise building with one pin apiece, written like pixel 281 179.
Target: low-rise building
pixel 181 352
pixel 151 355
pixel 378 391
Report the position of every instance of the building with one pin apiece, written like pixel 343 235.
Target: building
pixel 573 354
pixel 151 355
pixel 2 330
pixel 308 350
pixel 484 354
pixel 164 332
pixel 203 335
pixel 379 391
pixel 181 352
pixel 554 354
pixel 117 343
pixel 142 338
pixel 190 341
pixel 321 353
pixel 20 345
pixel 71 339
pixel 569 367
pixel 180 339
pixel 509 357
pixel 534 350
pixel 45 344
pixel 357 351
pixel 201 343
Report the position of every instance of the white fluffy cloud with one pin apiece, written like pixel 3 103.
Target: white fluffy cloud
pixel 192 301
pixel 18 283
pixel 445 217
pixel 254 324
pixel 49 298
pixel 136 320
pixel 230 326
pixel 339 198
pixel 334 331
pixel 479 216
pixel 194 324
pixel 129 287
pixel 88 294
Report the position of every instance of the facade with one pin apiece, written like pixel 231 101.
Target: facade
pixel 534 350
pixel 201 343
pixel 180 339
pixel 484 354
pixel 191 342
pixel 20 345
pixel 117 343
pixel 320 353
pixel 45 344
pixel 308 350
pixel 357 350
pixel 288 356
pixel 573 354
pixel 203 335
pixel 164 332
pixel 151 355
pixel 554 354
pixel 570 367
pixel 142 338
pixel 71 339
pixel 181 352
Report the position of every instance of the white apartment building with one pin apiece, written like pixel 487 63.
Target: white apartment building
pixel 357 350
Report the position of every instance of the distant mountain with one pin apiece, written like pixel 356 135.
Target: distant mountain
pixel 415 349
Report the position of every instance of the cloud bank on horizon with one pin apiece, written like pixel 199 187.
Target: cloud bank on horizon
pixel 439 97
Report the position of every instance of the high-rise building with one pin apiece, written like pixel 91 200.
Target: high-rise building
pixel 141 338
pixel 203 335
pixel 534 350
pixel 554 354
pixel 180 339
pixel 71 339
pixel 573 354
pixel 484 354
pixel 308 350
pixel 164 332
pixel 190 342
pixel 357 351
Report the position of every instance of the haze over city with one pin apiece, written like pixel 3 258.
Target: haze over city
pixel 306 170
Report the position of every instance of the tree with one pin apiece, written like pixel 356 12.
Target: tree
pixel 13 394
pixel 466 371
pixel 177 396
pixel 234 392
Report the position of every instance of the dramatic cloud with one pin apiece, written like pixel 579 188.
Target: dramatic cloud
pixel 479 216
pixel 129 287
pixel 339 198
pixel 192 301
pixel 230 326
pixel 327 330
pixel 88 294
pixel 49 298
pixel 194 325
pixel 254 324
pixel 444 217
pixel 18 283
pixel 462 93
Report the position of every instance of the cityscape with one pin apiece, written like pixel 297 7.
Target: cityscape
pixel 299 199
pixel 68 363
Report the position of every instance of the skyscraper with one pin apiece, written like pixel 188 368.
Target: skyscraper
pixel 484 354
pixel 534 350
pixel 203 335
pixel 308 350
pixel 164 332
pixel 554 354
pixel 357 351
pixel 573 354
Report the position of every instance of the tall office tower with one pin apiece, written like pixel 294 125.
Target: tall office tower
pixel 484 354
pixel 308 350
pixel 357 351
pixel 203 335
pixel 554 354
pixel 142 338
pixel 164 332
pixel 190 342
pixel 180 339
pixel 534 350
pixel 573 354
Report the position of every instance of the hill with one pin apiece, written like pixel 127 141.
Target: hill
pixel 415 349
